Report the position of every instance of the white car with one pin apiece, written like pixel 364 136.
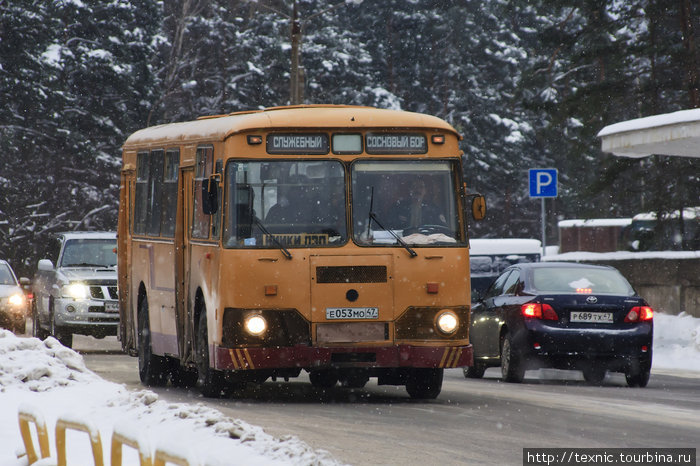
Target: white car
pixel 13 302
pixel 79 293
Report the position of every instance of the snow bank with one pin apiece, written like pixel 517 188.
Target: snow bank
pixel 676 342
pixel 53 381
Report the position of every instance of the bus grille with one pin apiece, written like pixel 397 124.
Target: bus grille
pixel 351 274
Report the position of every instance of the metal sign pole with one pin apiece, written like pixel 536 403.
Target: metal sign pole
pixel 544 233
pixel 543 184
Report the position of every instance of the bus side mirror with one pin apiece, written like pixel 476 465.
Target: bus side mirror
pixel 479 207
pixel 210 195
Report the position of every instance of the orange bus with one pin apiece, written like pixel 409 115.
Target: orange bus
pixel 329 239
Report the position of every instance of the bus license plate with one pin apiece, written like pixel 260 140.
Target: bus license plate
pixel 595 317
pixel 352 313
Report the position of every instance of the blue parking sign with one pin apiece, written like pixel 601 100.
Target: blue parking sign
pixel 543 182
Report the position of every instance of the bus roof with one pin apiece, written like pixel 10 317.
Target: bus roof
pixel 220 127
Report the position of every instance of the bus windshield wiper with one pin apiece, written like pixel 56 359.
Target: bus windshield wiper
pixel 373 216
pixel 267 233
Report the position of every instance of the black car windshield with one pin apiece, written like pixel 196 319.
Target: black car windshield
pixel 581 280
pixel 285 204
pixel 413 200
pixel 89 253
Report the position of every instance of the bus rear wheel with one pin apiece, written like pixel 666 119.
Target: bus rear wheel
pixel 181 376
pixel 211 382
pixel 324 378
pixel 424 384
pixel 353 378
pixel 152 368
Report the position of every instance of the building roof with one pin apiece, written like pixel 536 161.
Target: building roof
pixel 676 133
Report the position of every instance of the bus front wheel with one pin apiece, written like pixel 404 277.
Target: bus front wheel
pixel 424 384
pixel 211 382
pixel 152 368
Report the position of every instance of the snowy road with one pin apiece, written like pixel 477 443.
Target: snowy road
pixel 473 421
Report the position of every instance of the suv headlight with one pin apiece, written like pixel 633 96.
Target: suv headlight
pixel 75 291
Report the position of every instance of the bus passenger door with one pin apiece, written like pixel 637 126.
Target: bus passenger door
pixel 126 313
pixel 185 331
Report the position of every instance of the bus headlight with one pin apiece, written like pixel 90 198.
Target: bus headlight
pixel 256 325
pixel 447 322
pixel 76 291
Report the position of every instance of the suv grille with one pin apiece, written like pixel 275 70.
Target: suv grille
pixel 103 292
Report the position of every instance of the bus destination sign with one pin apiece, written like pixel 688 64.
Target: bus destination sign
pixel 298 143
pixel 396 143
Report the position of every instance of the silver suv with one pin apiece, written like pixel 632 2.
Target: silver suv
pixel 79 293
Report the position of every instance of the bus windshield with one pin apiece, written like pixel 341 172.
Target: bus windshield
pixel 412 200
pixel 289 203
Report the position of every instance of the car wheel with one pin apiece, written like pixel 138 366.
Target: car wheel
pixel 594 375
pixel 476 371
pixel 638 377
pixel 65 337
pixel 20 328
pixel 152 370
pixel 424 384
pixel 325 378
pixel 211 382
pixel 37 330
pixel 512 369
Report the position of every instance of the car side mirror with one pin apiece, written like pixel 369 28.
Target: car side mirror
pixel 476 296
pixel 45 265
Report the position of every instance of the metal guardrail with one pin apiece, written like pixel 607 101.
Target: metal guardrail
pixel 120 437
pixel 27 415
pixel 63 424
pixel 163 456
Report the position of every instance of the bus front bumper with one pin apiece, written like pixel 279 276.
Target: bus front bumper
pixel 306 357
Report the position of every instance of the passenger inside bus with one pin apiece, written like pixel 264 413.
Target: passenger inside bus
pixel 414 208
pixel 293 205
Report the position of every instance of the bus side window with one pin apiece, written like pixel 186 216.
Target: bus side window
pixel 201 222
pixel 216 217
pixel 170 181
pixel 141 199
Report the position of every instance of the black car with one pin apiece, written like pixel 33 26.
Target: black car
pixel 565 316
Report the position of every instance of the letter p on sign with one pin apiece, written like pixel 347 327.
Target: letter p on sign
pixel 543 182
